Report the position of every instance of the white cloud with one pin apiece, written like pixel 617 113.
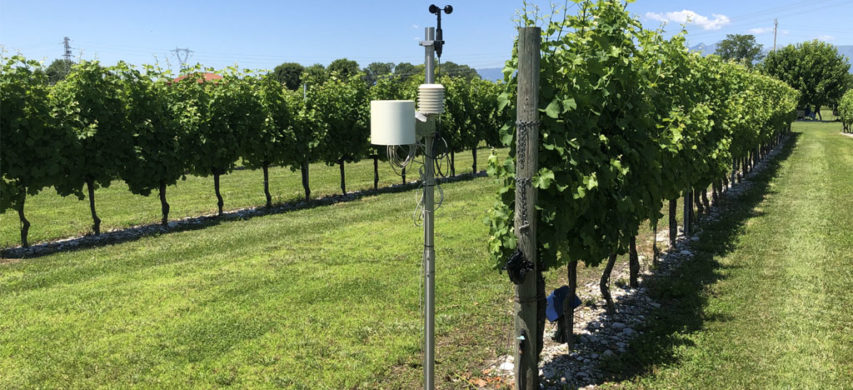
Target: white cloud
pixel 689 17
pixel 825 38
pixel 760 30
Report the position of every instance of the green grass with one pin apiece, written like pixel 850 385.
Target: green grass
pixel 54 217
pixel 329 297
pixel 766 301
pixel 321 298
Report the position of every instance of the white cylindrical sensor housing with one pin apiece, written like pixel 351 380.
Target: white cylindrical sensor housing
pixel 431 99
pixel 392 122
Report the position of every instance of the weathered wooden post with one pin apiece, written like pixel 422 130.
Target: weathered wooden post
pixel 688 211
pixel 527 329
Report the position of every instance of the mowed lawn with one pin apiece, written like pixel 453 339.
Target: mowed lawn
pixel 766 303
pixel 329 298
pixel 320 298
pixel 53 217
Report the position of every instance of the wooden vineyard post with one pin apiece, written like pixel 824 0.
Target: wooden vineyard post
pixel 527 311
pixel 688 205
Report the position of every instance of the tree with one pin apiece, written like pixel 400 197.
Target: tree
pixel 405 70
pixel 30 142
pixel 272 137
pixel 453 69
pixel 315 74
pixel 89 101
pixel 376 70
pixel 343 67
pixel 343 106
pixel 814 68
pixel 741 48
pixel 289 74
pixel 58 69
pixel 158 158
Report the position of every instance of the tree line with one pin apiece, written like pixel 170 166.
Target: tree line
pixel 98 124
pixel 814 68
pixel 629 121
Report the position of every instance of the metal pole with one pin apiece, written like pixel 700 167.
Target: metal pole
pixel 775 27
pixel 429 60
pixel 429 248
pixel 429 265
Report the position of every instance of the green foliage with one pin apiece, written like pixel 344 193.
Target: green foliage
pixel 55 217
pixel 594 137
pixel 486 118
pixel 741 48
pixel 58 70
pixel 453 69
pixel 289 74
pixel 217 114
pixel 344 111
pixel 159 154
pixel 628 120
pixel 269 139
pixel 308 131
pixel 90 104
pixel 845 109
pixel 315 75
pixel 456 121
pixel 101 123
pixel 389 88
pixel 377 70
pixel 30 141
pixel 471 113
pixel 343 68
pixel 814 68
pixel 405 70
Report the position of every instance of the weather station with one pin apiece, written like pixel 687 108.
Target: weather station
pixel 396 124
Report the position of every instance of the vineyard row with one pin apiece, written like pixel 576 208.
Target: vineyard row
pixel 101 123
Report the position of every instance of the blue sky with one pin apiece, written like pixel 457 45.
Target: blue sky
pixel 262 34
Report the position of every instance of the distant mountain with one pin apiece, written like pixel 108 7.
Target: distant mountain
pixel 491 74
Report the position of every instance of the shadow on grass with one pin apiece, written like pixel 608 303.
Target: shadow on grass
pixel 681 292
pixel 194 223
